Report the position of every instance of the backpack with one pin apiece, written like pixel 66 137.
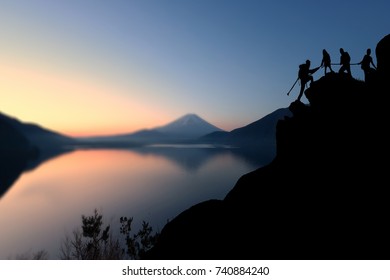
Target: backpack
pixel 302 71
pixel 346 59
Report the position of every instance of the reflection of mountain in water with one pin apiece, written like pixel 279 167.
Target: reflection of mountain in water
pixel 24 146
pixel 12 165
pixel 193 157
pixel 10 170
pixel 188 157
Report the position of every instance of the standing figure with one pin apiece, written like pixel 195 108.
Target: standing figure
pixel 326 61
pixel 366 64
pixel 345 62
pixel 305 75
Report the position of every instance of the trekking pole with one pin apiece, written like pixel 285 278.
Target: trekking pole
pixel 292 86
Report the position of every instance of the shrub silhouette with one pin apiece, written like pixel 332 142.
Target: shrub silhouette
pixel 95 241
pixel 137 244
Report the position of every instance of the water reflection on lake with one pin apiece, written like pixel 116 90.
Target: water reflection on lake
pixel 153 184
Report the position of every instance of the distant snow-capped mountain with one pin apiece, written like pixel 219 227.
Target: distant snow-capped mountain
pixel 188 126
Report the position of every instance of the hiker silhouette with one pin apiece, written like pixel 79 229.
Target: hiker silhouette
pixel 305 75
pixel 345 62
pixel 366 65
pixel 326 62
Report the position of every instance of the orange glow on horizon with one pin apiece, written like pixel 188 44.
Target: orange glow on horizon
pixel 76 106
pixel 99 131
pixel 72 106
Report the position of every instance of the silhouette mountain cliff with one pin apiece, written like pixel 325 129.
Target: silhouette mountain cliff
pixel 324 196
pixel 44 143
pixel 383 56
pixel 39 137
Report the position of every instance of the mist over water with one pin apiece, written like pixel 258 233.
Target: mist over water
pixel 152 184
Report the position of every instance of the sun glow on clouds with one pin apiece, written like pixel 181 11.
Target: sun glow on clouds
pixel 70 105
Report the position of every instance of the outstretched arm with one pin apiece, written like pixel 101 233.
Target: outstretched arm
pixel 312 71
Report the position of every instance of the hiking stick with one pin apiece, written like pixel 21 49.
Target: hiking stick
pixel 292 86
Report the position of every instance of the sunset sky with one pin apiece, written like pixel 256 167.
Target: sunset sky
pixel 98 67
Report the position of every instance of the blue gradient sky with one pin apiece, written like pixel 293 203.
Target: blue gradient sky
pixel 93 67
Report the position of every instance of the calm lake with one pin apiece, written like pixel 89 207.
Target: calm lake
pixel 153 184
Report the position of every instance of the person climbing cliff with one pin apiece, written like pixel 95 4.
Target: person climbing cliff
pixel 366 65
pixel 326 61
pixel 345 62
pixel 305 75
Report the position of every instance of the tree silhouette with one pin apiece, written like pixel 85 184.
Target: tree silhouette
pixel 95 241
pixel 137 244
pixel 91 243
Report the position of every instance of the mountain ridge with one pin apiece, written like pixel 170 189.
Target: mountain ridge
pixel 260 133
pixel 35 133
pixel 192 129
pixel 42 142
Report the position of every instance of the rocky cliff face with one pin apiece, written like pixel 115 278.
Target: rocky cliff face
pixel 324 196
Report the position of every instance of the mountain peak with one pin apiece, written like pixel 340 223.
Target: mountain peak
pixel 191 115
pixel 189 125
pixel 190 118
